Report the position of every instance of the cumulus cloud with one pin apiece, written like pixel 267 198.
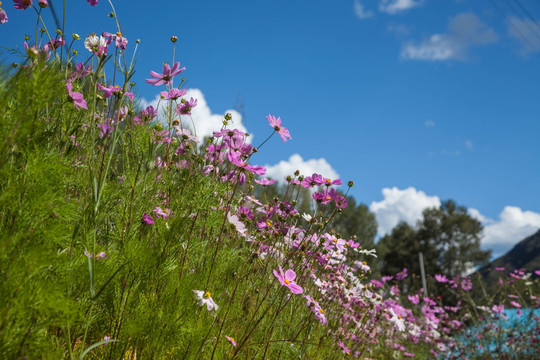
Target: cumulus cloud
pixel 464 31
pixel 394 6
pixel 205 121
pixel 512 226
pixel 307 167
pixel 526 31
pixel 401 205
pixel 360 11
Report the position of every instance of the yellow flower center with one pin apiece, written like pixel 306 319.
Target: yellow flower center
pixel 207 294
pixel 119 34
pixel 321 311
pixel 327 181
pixel 335 240
pixel 287 282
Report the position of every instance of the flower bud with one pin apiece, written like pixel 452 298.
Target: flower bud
pixel 111 14
pixel 138 41
pixel 174 38
pixel 43 4
pixel 228 116
pixel 350 183
pixel 297 172
pixel 26 37
pixel 59 32
pixel 42 30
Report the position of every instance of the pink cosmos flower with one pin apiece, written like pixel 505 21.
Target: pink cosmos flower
pixel 120 42
pixel 160 213
pixel 466 284
pixel 146 115
pixel 498 309
pixel 231 339
pixel 22 4
pixel 3 16
pixel 166 77
pixel 276 125
pixel 43 3
pixel 415 299
pixel 92 2
pixel 173 94
pixel 76 97
pixel 265 181
pixel 80 71
pixel 287 279
pixel 186 106
pixel 441 278
pixel 109 91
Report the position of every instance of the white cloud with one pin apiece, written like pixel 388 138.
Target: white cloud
pixel 469 144
pixel 205 121
pixel 394 6
pixel 429 123
pixel 526 31
pixel 464 31
pixel 513 226
pixel 360 11
pixel 401 205
pixel 307 167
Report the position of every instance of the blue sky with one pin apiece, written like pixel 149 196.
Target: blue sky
pixel 416 101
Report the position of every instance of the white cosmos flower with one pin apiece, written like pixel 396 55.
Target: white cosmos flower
pixel 205 298
pixel 367 252
pixel 93 42
pixel 396 320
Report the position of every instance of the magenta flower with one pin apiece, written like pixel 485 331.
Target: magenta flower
pixel 3 16
pixel 287 279
pixel 43 3
pixel 166 77
pixel 276 125
pixel 147 219
pixel 92 2
pixel 173 94
pixel 186 106
pixel 76 97
pixel 22 4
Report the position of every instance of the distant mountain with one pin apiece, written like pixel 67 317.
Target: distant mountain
pixel 524 255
